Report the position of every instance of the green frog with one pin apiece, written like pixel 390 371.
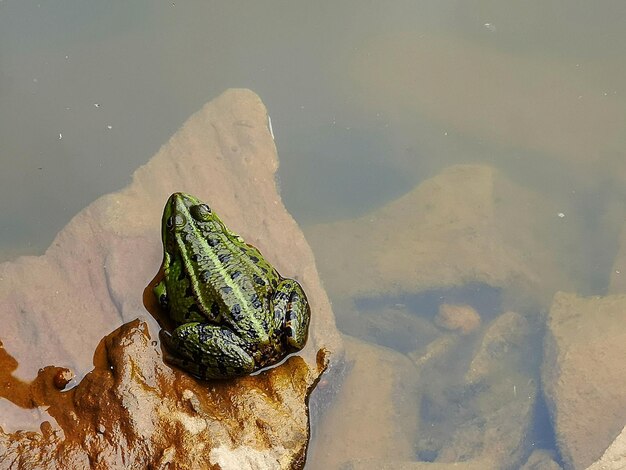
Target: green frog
pixel 234 313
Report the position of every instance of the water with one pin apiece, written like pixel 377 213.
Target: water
pixel 367 101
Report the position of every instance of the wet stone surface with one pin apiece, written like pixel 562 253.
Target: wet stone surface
pixel 135 408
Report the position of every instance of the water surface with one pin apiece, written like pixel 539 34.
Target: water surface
pixel 367 101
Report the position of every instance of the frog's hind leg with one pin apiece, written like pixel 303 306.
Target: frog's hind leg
pixel 292 307
pixel 207 351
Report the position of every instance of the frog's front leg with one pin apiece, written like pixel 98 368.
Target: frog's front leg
pixel 292 307
pixel 207 351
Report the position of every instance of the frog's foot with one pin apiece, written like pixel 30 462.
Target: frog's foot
pixel 160 292
pixel 290 303
pixel 207 351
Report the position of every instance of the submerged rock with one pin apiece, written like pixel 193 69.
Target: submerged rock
pixel 541 460
pixel 376 412
pixel 461 318
pixel 467 225
pixel 375 464
pixel 491 414
pixel 506 346
pixel 56 308
pixel 614 458
pixel 395 327
pixel 584 374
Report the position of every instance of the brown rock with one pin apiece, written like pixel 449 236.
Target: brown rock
pixel 374 464
pixel 55 308
pixel 133 411
pixel 438 353
pixel 462 318
pixel 62 378
pixel 469 224
pixel 500 429
pixel 505 347
pixel 541 460
pixel 394 327
pixel 376 412
pixel 490 417
pixel 614 458
pixel 584 374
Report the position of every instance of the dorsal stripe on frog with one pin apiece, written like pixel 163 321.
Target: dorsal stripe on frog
pixel 216 265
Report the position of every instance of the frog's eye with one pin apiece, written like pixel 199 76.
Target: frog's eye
pixel 177 220
pixel 200 212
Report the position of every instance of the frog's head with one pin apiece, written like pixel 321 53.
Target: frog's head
pixel 182 211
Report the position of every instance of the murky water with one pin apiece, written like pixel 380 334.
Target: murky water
pixel 367 101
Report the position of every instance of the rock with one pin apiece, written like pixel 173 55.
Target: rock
pixel 500 428
pixel 520 126
pixel 584 374
pixel 505 346
pixel 462 318
pixel 373 464
pixel 490 418
pixel 467 225
pixel 376 412
pixel 133 410
pixel 394 326
pixel 56 308
pixel 485 419
pixel 541 460
pixel 614 458
pixel 438 353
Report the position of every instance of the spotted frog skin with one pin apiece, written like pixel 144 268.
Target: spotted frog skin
pixel 234 314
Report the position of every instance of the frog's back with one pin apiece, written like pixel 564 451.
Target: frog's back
pixel 235 284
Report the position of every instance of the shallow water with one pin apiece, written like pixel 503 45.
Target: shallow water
pixel 367 101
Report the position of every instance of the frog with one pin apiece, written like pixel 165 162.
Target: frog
pixel 232 313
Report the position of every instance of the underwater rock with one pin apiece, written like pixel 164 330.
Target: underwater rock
pixel 375 413
pixel 541 460
pixel 375 464
pixel 55 309
pixel 467 225
pixel 491 415
pixel 614 458
pixel 584 374
pixel 394 327
pixel 505 346
pixel 461 318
